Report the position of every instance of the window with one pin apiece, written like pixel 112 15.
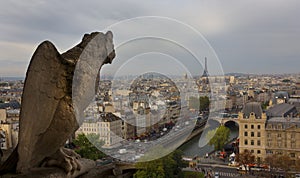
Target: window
pixel 258 126
pixel 269 126
pixel 246 126
pixel 252 126
pixel 269 135
pixel 269 143
pixel 252 151
pixel 292 135
pixel 293 155
pixel 258 134
pixel 258 142
pixel 252 142
pixel 279 126
pixel 293 144
pixel 252 134
pixel 258 152
pixel 246 142
pixel 279 144
pixel 279 135
pixel 269 151
pixel 245 134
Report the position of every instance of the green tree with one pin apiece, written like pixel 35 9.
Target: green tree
pixel 204 103
pixel 168 166
pixel 219 137
pixel 150 169
pixel 201 103
pixel 173 164
pixel 188 174
pixel 88 146
pixel 177 156
pixel 265 105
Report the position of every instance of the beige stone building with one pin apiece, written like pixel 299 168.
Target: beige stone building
pixel 252 130
pixel 2 115
pixel 9 129
pixel 283 136
pixel 9 136
pixel 268 136
pixel 128 125
pixel 107 126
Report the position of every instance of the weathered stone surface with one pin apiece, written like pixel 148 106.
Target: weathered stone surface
pixel 53 172
pixel 108 171
pixel 47 117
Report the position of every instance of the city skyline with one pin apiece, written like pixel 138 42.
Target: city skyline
pixel 248 37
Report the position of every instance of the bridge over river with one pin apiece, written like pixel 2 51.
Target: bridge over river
pixel 224 120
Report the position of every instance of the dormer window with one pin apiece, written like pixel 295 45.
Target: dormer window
pixel 269 126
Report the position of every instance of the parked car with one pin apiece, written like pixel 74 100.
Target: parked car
pixel 217 175
pixel 233 164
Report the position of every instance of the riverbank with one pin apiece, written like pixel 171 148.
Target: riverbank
pixel 191 146
pixel 195 133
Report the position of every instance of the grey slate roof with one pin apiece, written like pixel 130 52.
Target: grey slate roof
pixel 254 107
pixel 286 122
pixel 280 94
pixel 280 110
pixel 12 104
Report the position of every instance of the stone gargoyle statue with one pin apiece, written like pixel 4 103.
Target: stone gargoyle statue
pixel 49 113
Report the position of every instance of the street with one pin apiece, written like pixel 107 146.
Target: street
pixel 224 171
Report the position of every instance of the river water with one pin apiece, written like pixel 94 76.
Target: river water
pixel 191 148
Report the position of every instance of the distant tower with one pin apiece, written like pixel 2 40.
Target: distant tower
pixel 205 72
pixel 185 76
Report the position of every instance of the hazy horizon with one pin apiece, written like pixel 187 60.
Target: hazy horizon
pixel 251 37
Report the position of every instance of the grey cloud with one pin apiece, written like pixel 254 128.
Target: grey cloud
pixel 241 32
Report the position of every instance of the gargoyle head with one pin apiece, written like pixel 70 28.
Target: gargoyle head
pixel 109 48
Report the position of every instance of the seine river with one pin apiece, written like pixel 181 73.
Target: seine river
pixel 191 148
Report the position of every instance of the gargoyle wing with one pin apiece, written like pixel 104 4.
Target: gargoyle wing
pixel 44 87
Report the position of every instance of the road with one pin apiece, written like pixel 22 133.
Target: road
pixel 224 171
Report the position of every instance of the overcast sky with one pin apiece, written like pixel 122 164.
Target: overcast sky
pixel 249 36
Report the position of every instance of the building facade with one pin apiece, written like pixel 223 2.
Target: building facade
pixel 282 137
pixel 107 126
pixel 265 136
pixel 252 130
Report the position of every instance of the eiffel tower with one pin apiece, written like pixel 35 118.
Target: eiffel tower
pixel 205 72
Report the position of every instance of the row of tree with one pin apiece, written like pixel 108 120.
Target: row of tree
pixel 165 167
pixel 276 162
pixel 220 136
pixel 169 166
pixel 284 162
pixel 88 146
